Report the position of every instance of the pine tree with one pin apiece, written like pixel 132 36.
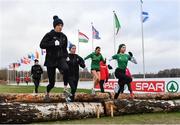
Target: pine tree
pixel 172 88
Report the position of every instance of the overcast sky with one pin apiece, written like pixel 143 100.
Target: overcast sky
pixel 23 23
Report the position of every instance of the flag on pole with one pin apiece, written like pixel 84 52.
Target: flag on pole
pixel 43 51
pixel 22 61
pixel 32 57
pixel 145 16
pixel 11 66
pixel 29 56
pixel 83 38
pixel 95 33
pixel 16 65
pixel 25 60
pixel 37 54
pixel 69 44
pixel 117 23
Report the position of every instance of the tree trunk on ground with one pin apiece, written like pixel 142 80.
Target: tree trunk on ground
pixel 38 112
pixel 54 98
pixel 81 97
pixel 28 108
pixel 124 106
pixel 160 96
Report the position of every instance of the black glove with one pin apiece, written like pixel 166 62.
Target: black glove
pixel 130 53
pixel 82 65
pixel 110 67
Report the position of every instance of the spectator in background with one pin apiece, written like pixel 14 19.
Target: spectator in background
pixel 17 80
pixel 36 72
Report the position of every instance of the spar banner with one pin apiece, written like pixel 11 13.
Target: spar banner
pixel 148 85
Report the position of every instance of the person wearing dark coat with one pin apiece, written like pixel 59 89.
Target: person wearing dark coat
pixel 74 63
pixel 36 72
pixel 55 43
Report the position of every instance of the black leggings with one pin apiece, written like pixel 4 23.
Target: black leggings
pixel 101 83
pixel 52 71
pixel 122 80
pixel 73 84
pixel 65 80
pixel 36 84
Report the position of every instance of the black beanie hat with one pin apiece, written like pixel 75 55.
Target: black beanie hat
pixel 57 21
pixel 36 60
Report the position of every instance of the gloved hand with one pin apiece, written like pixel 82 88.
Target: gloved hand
pixel 57 43
pixel 110 67
pixel 67 59
pixel 130 53
pixel 82 65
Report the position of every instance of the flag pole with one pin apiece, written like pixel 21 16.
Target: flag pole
pixel 92 38
pixel 78 42
pixel 8 75
pixel 142 33
pixel 114 38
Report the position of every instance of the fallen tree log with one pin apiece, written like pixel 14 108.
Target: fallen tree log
pixel 38 112
pixel 82 97
pixel 54 98
pixel 159 96
pixel 124 106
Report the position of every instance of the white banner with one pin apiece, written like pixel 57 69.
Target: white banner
pixel 148 85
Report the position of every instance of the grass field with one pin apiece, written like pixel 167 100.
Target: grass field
pixel 150 118
pixel 158 118
pixel 30 89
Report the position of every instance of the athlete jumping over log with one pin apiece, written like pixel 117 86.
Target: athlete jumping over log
pixel 74 63
pixel 96 57
pixel 120 71
pixel 55 43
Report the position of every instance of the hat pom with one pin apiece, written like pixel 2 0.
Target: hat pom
pixel 55 17
pixel 56 21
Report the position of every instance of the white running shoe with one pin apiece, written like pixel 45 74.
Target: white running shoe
pixel 93 91
pixel 116 88
pixel 68 99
